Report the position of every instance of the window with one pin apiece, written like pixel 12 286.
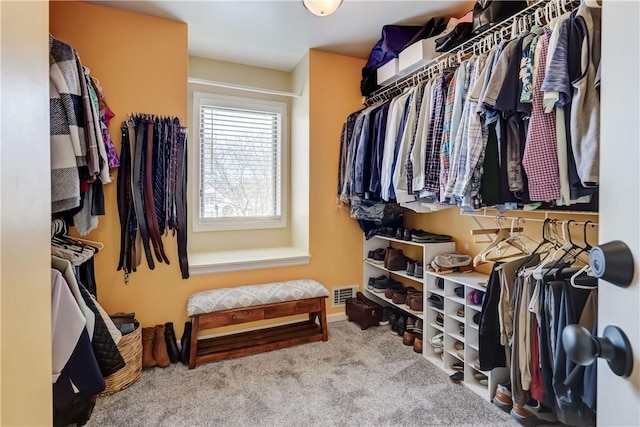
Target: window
pixel 242 144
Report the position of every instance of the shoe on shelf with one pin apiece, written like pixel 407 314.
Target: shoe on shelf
pixel 411 268
pixel 436 301
pixel 460 312
pixel 459 291
pixel 440 283
pixel 440 319
pixel 534 411
pixel 461 328
pixel 416 302
pixel 460 354
pixel 393 321
pixel 378 255
pixel 437 341
pixel 457 377
pixel 503 396
pixel 458 345
pixel 399 233
pixel 479 376
pixel 476 364
pixel 419 270
pixel 402 323
pixel 406 235
pixel 399 296
pixel 395 260
pixel 457 366
pixel 476 318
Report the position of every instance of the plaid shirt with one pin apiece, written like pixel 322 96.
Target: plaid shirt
pixel 445 147
pixel 434 144
pixel 540 160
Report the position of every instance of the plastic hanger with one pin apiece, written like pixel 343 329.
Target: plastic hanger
pixel 593 4
pixel 584 269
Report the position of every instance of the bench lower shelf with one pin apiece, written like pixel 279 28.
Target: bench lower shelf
pixel 257 341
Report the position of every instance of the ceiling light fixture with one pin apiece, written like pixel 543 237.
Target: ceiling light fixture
pixel 322 7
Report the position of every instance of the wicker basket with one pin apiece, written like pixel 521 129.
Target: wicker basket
pixel 130 347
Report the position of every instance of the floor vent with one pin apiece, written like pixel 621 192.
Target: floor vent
pixel 340 295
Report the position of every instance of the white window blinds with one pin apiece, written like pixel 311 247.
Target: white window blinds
pixel 240 162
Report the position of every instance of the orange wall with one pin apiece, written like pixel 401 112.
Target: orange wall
pixel 141 63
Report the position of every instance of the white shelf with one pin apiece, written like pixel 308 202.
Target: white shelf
pixel 407 242
pixel 473 279
pixel 477 308
pixel 437 310
pixel 476 369
pixel 456 299
pixel 477 388
pixel 456 318
pixel 456 336
pixel 400 273
pixel 454 354
pixel 436 326
pixel 437 292
pixel 402 307
pixel 473 326
pixel 475 347
pixel 436 360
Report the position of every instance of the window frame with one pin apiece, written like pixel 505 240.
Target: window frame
pixel 242 102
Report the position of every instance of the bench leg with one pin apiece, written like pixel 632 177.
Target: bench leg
pixel 193 352
pixel 313 317
pixel 323 320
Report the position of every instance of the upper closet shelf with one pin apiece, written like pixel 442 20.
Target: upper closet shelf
pixel 414 64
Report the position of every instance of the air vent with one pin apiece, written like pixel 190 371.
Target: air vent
pixel 340 295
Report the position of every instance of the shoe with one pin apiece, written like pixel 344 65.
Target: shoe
pixel 457 377
pixel 411 324
pixel 458 345
pixel 402 323
pixel 457 366
pixel 408 338
pixel 417 329
pixel 406 235
pixel 386 314
pixel 436 301
pixel 378 255
pixel 461 328
pixel 437 341
pixel 476 297
pixel 411 268
pixel 185 344
pixel 419 270
pixel 393 321
pixel 440 283
pixel 417 344
pixel 416 302
pixel 148 334
pixel 395 260
pixel 399 233
pixel 399 296
pixel 503 396
pixel 460 354
pixel 534 411
pixel 481 378
pixel 459 291
pixel 452 260
pixel 170 341
pixel 160 347
pixel 440 319
pixel 372 280
pixel 460 312
pixel 476 318
pixel 410 292
pixel 476 365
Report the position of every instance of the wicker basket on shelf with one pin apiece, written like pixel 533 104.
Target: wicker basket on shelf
pixel 130 347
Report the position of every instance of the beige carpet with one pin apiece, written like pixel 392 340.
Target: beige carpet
pixel 357 378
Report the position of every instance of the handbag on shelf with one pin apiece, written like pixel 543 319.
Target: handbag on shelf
pixel 487 13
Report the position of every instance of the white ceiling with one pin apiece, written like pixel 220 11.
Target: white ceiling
pixel 277 33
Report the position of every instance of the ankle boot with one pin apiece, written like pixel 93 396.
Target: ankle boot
pixel 147 348
pixel 170 340
pixel 160 348
pixel 185 344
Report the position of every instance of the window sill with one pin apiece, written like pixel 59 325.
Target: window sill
pixel 250 259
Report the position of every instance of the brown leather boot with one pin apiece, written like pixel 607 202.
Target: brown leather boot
pixel 160 348
pixel 147 348
pixel 417 344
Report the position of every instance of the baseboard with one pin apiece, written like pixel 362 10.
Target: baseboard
pixel 336 317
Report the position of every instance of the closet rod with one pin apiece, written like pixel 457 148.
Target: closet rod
pixel 478 44
pixel 528 219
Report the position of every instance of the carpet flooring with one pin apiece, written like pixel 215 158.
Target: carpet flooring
pixel 357 378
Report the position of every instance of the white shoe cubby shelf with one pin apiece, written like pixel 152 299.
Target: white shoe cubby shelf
pixel 462 329
pixel 371 269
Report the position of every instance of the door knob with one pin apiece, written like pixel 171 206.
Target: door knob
pixel 584 349
pixel 612 262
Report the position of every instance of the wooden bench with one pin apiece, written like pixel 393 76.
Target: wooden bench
pixel 232 306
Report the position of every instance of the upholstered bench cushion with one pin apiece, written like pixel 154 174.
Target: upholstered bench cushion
pixel 251 295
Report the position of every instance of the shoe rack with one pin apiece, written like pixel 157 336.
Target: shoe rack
pixel 425 252
pixel 457 329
